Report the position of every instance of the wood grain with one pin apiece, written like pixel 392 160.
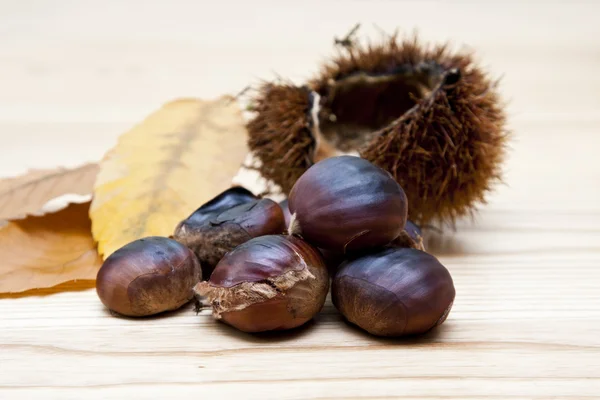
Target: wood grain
pixel 526 322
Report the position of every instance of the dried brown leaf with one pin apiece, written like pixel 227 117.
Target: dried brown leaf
pixel 27 194
pixel 44 251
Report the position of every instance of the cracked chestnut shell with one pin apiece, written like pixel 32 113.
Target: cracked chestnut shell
pixel 213 231
pixel 269 283
pixel 148 276
pixel 394 292
pixel 346 203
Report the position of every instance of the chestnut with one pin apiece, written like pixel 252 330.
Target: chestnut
pixel 211 235
pixel 410 237
pixel 332 259
pixel 346 203
pixel 286 212
pixel 148 276
pixel 269 283
pixel 231 197
pixel 413 230
pixel 394 292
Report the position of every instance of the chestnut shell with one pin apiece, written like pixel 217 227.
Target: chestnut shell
pixel 286 212
pixel 268 283
pixel 346 203
pixel 212 235
pixel 394 292
pixel 411 237
pixel 148 276
pixel 230 198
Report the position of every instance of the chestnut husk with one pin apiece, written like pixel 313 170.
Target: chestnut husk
pixel 213 231
pixel 347 204
pixel 271 282
pixel 148 276
pixel 429 116
pixel 394 292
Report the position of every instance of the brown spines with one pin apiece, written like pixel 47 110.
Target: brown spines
pixel 448 150
pixel 280 133
pixel 377 58
pixel 429 117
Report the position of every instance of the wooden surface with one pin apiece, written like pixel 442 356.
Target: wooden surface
pixel 526 321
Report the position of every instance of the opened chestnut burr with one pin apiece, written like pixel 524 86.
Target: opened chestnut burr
pixel 346 203
pixel 268 283
pixel 394 292
pixel 148 276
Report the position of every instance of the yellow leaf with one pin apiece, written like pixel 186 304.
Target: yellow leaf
pixel 166 167
pixel 28 194
pixel 44 251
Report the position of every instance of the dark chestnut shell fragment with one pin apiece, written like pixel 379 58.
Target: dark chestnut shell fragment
pixel 230 198
pixel 346 203
pixel 213 231
pixel 148 276
pixel 268 283
pixel 394 292
pixel 411 237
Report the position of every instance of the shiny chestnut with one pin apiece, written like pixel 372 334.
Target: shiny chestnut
pixel 346 203
pixel 230 198
pixel 411 237
pixel 394 292
pixel 287 215
pixel 148 276
pixel 268 283
pixel 213 231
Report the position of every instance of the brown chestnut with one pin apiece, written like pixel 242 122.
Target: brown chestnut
pixel 346 203
pixel 413 230
pixel 286 212
pixel 410 237
pixel 394 292
pixel 332 259
pixel 230 198
pixel 268 283
pixel 148 276
pixel 211 236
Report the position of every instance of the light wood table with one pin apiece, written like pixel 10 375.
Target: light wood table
pixel 526 322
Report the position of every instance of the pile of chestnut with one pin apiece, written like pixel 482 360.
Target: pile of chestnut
pixel 267 266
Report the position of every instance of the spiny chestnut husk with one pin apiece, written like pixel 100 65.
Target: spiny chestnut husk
pixel 268 283
pixel 148 276
pixel 430 117
pixel 214 230
pixel 346 204
pixel 394 292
